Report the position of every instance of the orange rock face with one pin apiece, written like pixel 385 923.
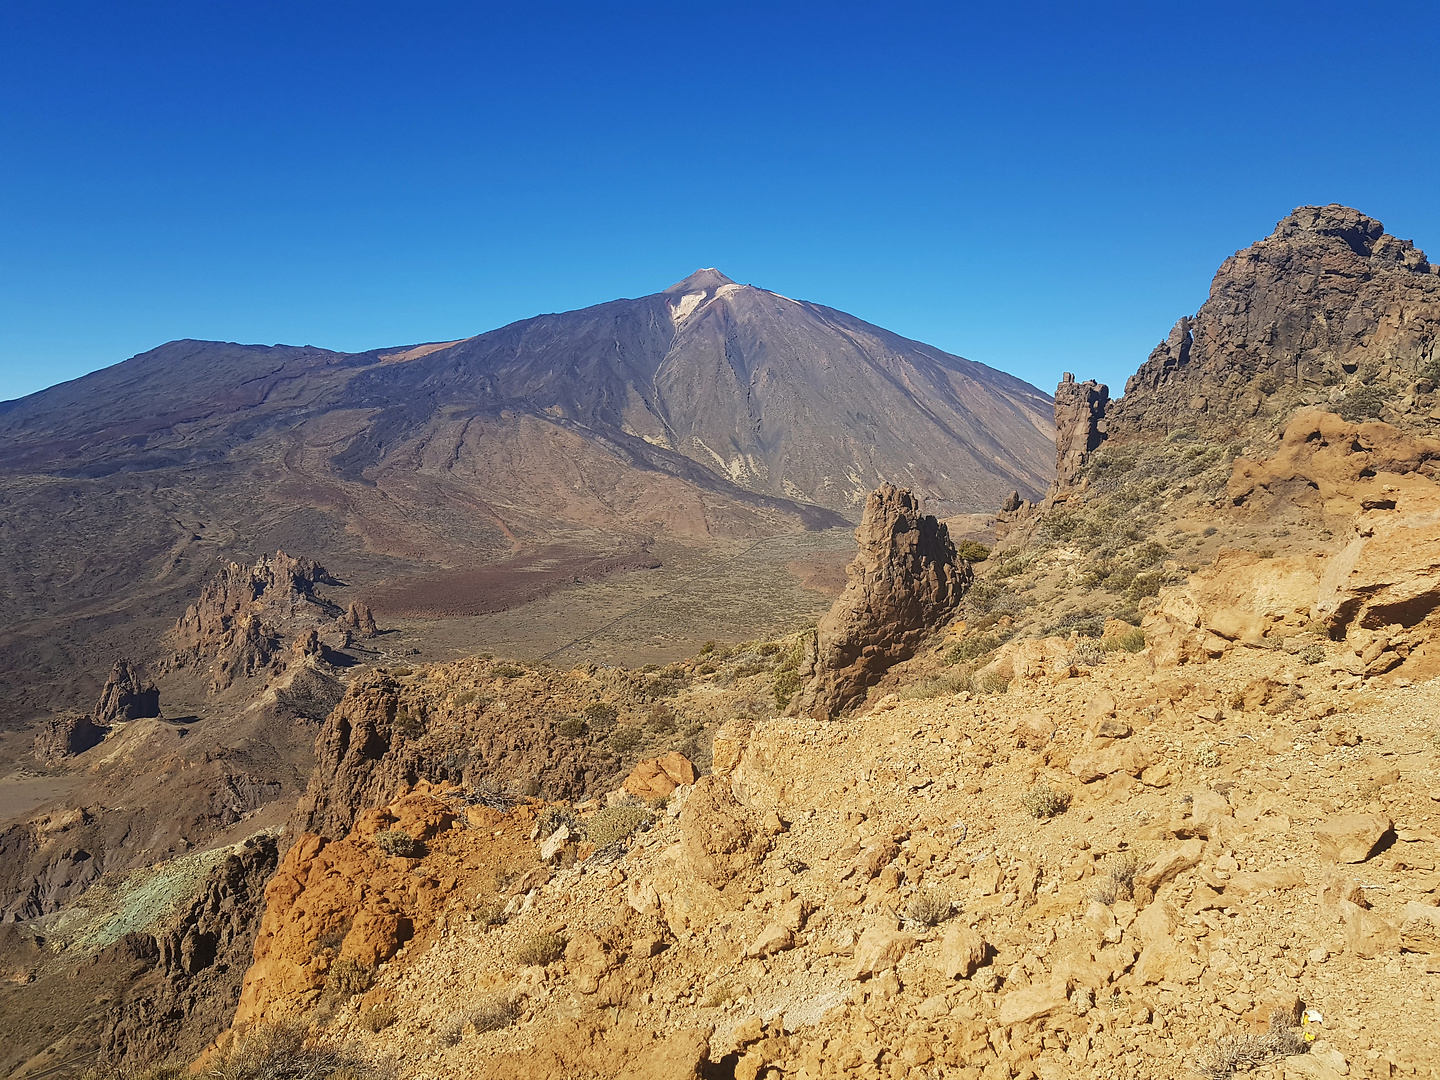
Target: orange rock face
pixel 334 899
pixel 655 778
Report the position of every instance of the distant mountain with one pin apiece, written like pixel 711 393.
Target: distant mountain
pixel 709 409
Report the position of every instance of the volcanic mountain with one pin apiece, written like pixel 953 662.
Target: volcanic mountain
pixel 710 409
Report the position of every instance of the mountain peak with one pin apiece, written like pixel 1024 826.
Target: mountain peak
pixel 702 280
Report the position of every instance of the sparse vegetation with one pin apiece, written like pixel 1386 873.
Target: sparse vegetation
pixel 1044 801
pixel 286 1051
pixel 1313 653
pixel 1132 641
pixel 972 647
pixel 1230 1053
pixel 507 671
pixel 537 950
pixel 991 682
pixel 941 686
pixel 615 824
pixel 397 842
pixel 1118 882
pixel 929 907
pixel 601 713
pixel 971 551
pixel 1363 403
pixel 1206 756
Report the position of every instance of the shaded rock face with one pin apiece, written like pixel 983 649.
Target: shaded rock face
pixel 63 736
pixel 905 580
pixel 1079 431
pixel 127 695
pixel 359 618
pixel 1327 295
pixel 244 615
pixel 195 964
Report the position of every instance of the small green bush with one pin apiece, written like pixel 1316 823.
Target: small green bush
pixel 492 1014
pixel 970 551
pixel 397 842
pixel 615 824
pixel 571 727
pixel 601 712
pixel 1132 641
pixel 768 648
pixel 1313 653
pixel 465 697
pixel 1044 801
pixel 1206 756
pixel 786 686
pixel 972 648
pixel 378 1018
pixel 706 669
pixel 538 950
pixel 507 671
pixel 625 738
pixel 942 686
pixel 1364 403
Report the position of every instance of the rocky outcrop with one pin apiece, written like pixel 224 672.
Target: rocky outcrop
pixel 196 962
pixel 127 695
pixel 905 580
pixel 1079 429
pixel 359 619
pixel 1329 305
pixel 245 615
pixel 64 736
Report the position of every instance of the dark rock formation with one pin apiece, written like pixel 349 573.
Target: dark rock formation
pixel 1079 429
pixel 1329 309
pixel 905 580
pixel 358 618
pixel 127 695
pixel 244 614
pixel 63 736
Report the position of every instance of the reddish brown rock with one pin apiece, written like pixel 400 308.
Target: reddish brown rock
pixel 358 618
pixel 64 736
pixel 127 695
pixel 655 778
pixel 1079 428
pixel 905 581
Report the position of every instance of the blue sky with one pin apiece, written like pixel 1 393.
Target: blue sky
pixel 1041 187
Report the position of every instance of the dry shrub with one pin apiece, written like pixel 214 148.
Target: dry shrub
pixel 929 908
pixel 286 1051
pixel 539 949
pixel 615 824
pixel 492 1014
pixel 378 1018
pixel 1233 1052
pixel 1044 801
pixel 397 842
pixel 1119 880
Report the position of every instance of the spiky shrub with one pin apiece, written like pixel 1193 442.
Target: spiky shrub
pixel 929 907
pixel 970 551
pixel 1312 653
pixel 537 950
pixel 286 1051
pixel 397 842
pixel 1044 801
pixel 1231 1053
pixel 625 738
pixel 615 824
pixel 1206 756
pixel 787 684
pixel 972 648
pixel 378 1018
pixel 1118 882
pixel 507 671
pixel 991 683
pixel 492 1014
pixel 346 978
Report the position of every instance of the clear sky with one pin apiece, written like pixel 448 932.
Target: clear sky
pixel 1041 187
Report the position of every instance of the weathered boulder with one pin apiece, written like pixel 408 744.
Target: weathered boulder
pixel 880 948
pixel 905 580
pixel 63 736
pixel 962 952
pixel 127 695
pixel 1351 838
pixel 655 778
